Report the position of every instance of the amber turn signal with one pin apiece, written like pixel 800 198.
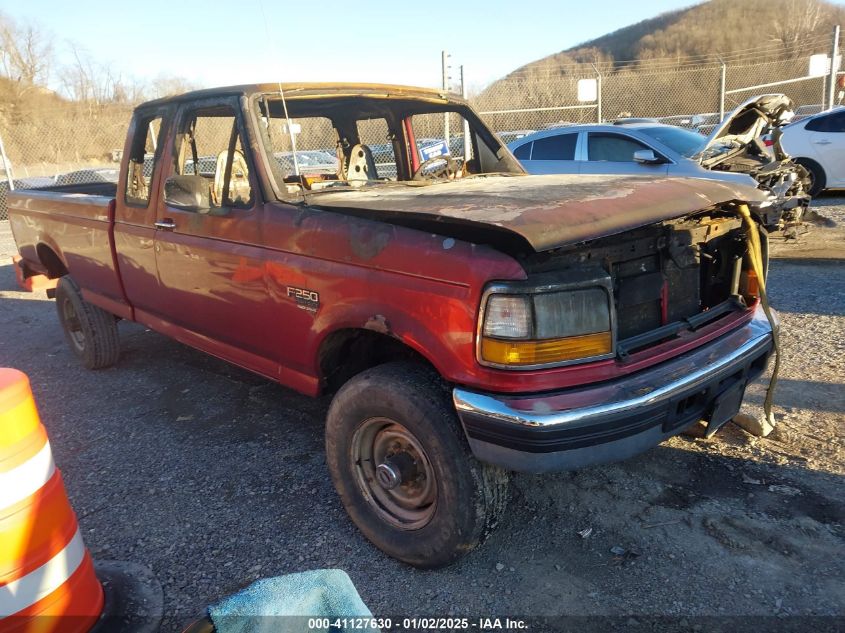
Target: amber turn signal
pixel 545 352
pixel 750 286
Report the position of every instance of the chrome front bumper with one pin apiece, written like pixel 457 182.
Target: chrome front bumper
pixel 613 420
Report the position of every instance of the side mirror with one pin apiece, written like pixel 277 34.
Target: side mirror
pixel 188 193
pixel 646 157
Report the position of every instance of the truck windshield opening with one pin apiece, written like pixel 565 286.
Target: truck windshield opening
pixel 332 143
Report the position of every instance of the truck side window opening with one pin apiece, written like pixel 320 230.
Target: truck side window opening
pixel 209 146
pixel 141 163
pixel 436 135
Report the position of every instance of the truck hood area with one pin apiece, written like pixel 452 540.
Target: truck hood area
pixel 546 212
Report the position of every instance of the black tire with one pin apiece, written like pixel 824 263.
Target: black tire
pixel 818 179
pixel 470 497
pixel 91 332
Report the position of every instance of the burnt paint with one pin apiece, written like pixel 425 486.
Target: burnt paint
pixel 546 211
pixel 378 323
pixel 368 241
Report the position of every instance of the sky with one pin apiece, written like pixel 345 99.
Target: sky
pixel 222 43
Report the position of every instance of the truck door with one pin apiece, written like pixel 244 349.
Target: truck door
pixel 135 211
pixel 211 286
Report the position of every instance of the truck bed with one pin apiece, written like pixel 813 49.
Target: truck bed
pixel 70 227
pixel 104 189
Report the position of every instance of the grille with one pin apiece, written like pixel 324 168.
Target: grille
pixel 650 293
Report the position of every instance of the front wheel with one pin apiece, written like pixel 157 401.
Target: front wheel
pixel 90 331
pixel 403 470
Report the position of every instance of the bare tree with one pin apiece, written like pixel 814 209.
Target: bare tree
pixel 128 90
pixel 165 85
pixel 77 78
pixel 26 54
pixel 87 81
pixel 800 19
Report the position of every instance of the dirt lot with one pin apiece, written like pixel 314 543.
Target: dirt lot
pixel 214 477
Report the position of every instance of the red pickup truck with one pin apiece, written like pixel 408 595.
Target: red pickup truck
pixel 470 320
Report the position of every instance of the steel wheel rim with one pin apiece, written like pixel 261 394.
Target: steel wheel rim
pixel 411 504
pixel 73 324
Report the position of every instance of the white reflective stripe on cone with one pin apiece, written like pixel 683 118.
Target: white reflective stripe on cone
pixel 39 583
pixel 27 479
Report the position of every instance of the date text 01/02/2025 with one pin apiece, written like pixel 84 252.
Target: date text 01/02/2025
pixel 417 624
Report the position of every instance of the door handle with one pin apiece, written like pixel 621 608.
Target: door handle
pixel 167 224
pixel 824 141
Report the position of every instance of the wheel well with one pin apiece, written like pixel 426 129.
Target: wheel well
pixel 348 352
pixel 803 160
pixel 51 262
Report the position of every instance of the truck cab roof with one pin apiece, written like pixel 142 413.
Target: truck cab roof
pixel 312 90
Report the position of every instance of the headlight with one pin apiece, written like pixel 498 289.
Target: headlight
pixel 542 328
pixel 508 316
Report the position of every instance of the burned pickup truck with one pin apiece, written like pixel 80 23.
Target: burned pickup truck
pixel 381 244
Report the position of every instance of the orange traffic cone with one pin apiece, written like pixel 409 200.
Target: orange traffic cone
pixel 47 579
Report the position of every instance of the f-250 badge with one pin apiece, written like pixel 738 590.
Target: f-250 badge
pixel 305 299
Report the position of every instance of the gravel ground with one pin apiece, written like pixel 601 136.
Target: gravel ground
pixel 213 477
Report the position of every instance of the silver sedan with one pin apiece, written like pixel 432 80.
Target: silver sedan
pixel 745 147
pixel 638 147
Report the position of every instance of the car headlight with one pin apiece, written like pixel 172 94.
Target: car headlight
pixel 545 327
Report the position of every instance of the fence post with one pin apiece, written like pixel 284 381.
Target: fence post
pixel 466 123
pixel 722 86
pixel 831 89
pixel 598 93
pixel 444 60
pixel 7 166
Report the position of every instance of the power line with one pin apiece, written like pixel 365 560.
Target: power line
pixel 683 62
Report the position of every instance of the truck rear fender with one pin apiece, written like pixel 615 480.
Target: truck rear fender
pixel 52 263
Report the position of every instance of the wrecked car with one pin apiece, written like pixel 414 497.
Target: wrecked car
pixel 469 320
pixel 735 151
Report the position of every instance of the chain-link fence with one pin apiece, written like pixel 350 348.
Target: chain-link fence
pixel 61 146
pixel 693 92
pixel 83 143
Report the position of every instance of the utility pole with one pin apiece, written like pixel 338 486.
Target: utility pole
pixel 444 58
pixel 467 145
pixel 834 53
pixel 722 85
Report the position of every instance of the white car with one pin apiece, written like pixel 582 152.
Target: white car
pixel 818 143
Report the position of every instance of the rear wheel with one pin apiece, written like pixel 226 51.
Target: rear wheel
pixel 403 470
pixel 817 178
pixel 91 332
